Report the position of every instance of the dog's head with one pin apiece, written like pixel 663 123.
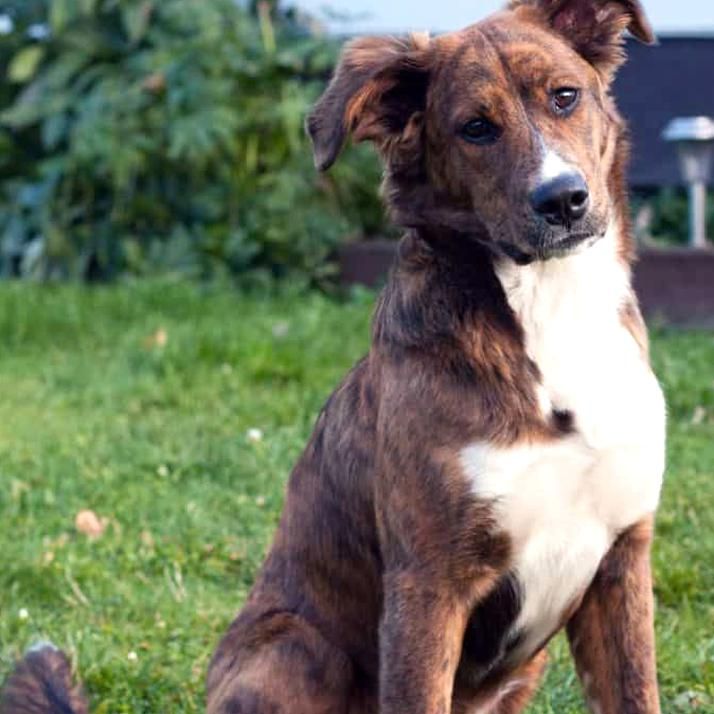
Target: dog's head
pixel 505 129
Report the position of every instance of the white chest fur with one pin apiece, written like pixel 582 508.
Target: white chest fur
pixel 563 503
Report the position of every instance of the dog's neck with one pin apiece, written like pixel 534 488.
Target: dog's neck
pixel 586 287
pixel 446 282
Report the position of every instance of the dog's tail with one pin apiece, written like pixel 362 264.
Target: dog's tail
pixel 42 683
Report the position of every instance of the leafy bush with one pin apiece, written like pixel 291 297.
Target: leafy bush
pixel 167 135
pixel 666 215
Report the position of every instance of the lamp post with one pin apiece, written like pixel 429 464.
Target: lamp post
pixel 694 140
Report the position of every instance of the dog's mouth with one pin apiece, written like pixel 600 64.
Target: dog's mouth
pixel 557 246
pixel 567 244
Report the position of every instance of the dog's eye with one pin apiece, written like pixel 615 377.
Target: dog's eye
pixel 565 99
pixel 480 131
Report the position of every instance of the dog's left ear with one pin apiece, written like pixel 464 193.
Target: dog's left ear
pixel 595 27
pixel 379 85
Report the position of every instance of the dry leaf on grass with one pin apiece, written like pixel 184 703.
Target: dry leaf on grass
pixel 158 340
pixel 89 523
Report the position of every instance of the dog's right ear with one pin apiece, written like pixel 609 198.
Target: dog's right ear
pixel 379 85
pixel 594 27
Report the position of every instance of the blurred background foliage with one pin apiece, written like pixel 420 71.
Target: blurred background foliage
pixel 663 215
pixel 150 136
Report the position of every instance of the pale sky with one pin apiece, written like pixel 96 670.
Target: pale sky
pixel 406 15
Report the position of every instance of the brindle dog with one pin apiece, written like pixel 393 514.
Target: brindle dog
pixel 488 474
pixel 402 572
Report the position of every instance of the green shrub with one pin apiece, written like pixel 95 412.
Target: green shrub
pixel 668 215
pixel 148 136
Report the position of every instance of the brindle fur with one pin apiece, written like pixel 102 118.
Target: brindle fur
pixel 381 548
pixel 611 635
pixel 388 586
pixel 42 684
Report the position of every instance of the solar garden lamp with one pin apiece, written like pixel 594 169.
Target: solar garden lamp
pixel 694 140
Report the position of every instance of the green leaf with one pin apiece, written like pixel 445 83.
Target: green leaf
pixel 25 63
pixel 60 14
pixel 136 19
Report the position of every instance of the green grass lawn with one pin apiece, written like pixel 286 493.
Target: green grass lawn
pixel 97 413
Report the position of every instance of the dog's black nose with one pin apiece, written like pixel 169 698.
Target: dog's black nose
pixel 562 200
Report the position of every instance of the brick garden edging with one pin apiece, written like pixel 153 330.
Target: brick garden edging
pixel 675 285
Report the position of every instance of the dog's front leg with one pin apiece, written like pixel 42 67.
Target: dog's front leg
pixel 440 550
pixel 612 633
pixel 421 634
